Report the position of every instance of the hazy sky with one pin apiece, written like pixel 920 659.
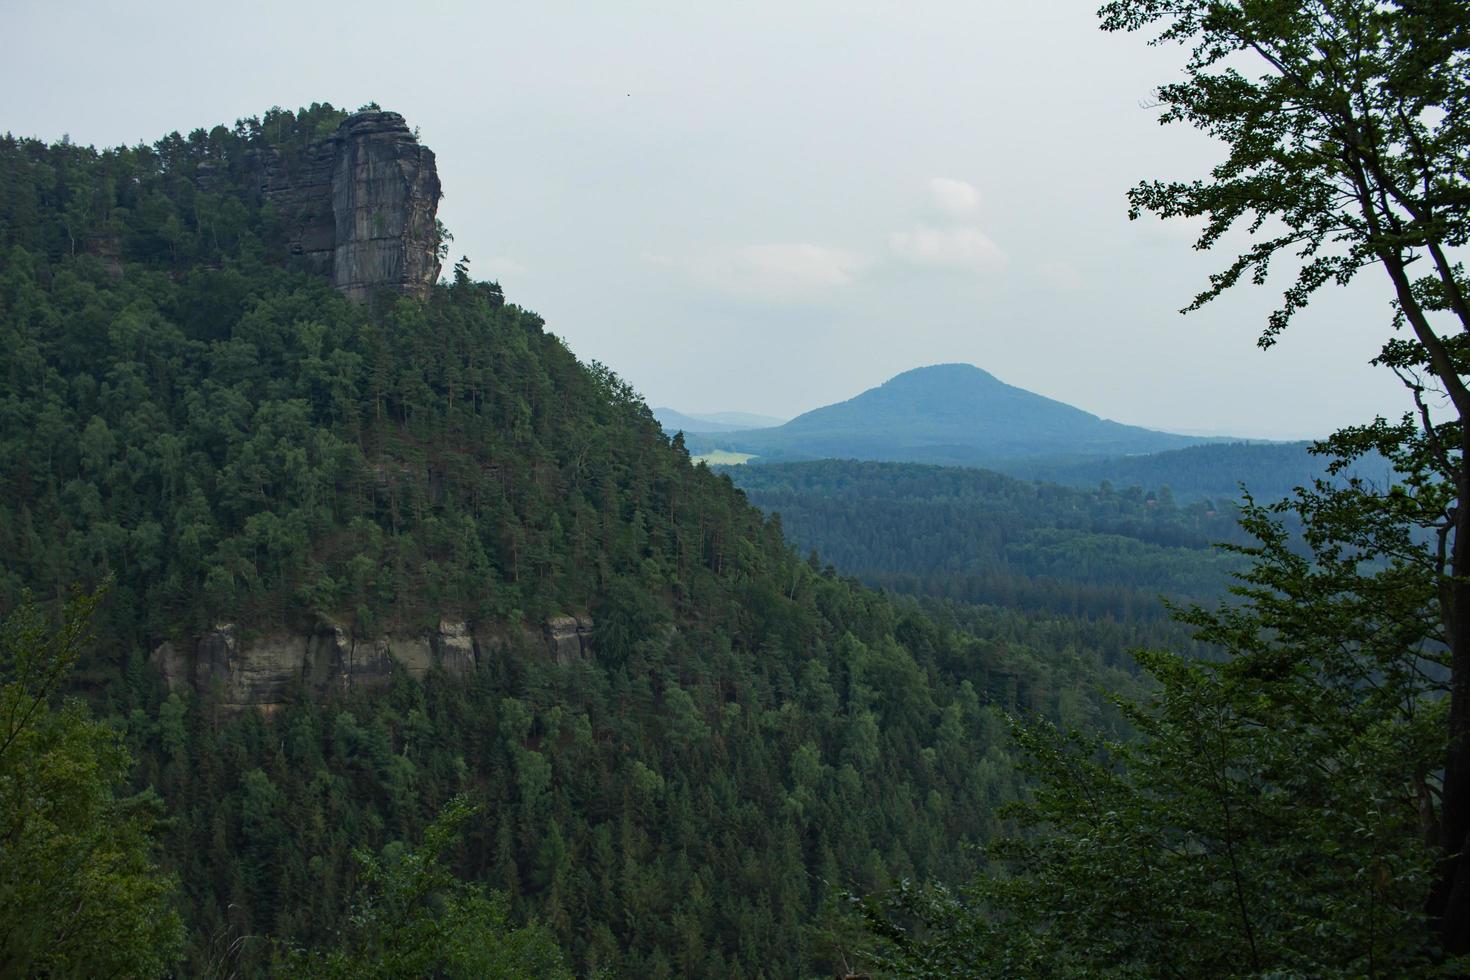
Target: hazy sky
pixel 765 206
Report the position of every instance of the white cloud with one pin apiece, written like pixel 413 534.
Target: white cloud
pixel 961 247
pixel 953 197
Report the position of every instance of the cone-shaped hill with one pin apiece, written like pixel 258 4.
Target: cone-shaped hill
pixel 946 413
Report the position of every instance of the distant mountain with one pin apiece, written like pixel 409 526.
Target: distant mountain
pixel 1268 470
pixel 673 421
pixel 676 421
pixel 741 420
pixel 952 414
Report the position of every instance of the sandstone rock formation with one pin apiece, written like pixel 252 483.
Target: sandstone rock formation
pixel 359 206
pixel 569 638
pixel 176 666
pixel 454 648
pixel 261 670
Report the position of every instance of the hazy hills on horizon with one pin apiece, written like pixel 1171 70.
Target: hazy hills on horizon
pixel 672 420
pixel 961 415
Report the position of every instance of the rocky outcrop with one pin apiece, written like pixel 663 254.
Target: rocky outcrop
pixel 454 648
pixel 176 666
pixel 385 193
pixel 260 671
pixel 569 638
pixel 359 206
pixel 263 670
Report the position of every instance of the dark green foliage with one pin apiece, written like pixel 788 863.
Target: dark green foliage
pixel 229 440
pixel 1273 816
pixel 414 918
pixel 238 441
pixel 1269 470
pixel 1342 125
pixel 692 806
pixel 176 205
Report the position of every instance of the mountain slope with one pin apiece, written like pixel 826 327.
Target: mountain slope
pixel 946 413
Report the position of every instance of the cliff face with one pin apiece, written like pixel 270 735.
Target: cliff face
pixel 359 206
pixel 260 671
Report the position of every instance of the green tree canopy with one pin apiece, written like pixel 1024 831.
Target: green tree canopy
pixel 80 894
pixel 413 917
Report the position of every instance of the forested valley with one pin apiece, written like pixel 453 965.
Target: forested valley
pixel 199 434
pixel 351 626
pixel 981 537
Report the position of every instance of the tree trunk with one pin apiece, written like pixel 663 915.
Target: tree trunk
pixel 1450 899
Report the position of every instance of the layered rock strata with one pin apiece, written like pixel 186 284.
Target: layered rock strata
pixel 260 671
pixel 360 206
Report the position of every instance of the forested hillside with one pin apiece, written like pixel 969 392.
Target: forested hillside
pixel 1269 471
pixel 981 537
pixel 218 437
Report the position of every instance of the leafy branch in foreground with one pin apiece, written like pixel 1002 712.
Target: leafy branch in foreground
pixel 80 894
pixel 1346 135
pixel 415 918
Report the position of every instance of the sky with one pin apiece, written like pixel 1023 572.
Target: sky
pixel 767 207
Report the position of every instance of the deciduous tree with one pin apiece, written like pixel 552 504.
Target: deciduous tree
pixel 1347 130
pixel 80 894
